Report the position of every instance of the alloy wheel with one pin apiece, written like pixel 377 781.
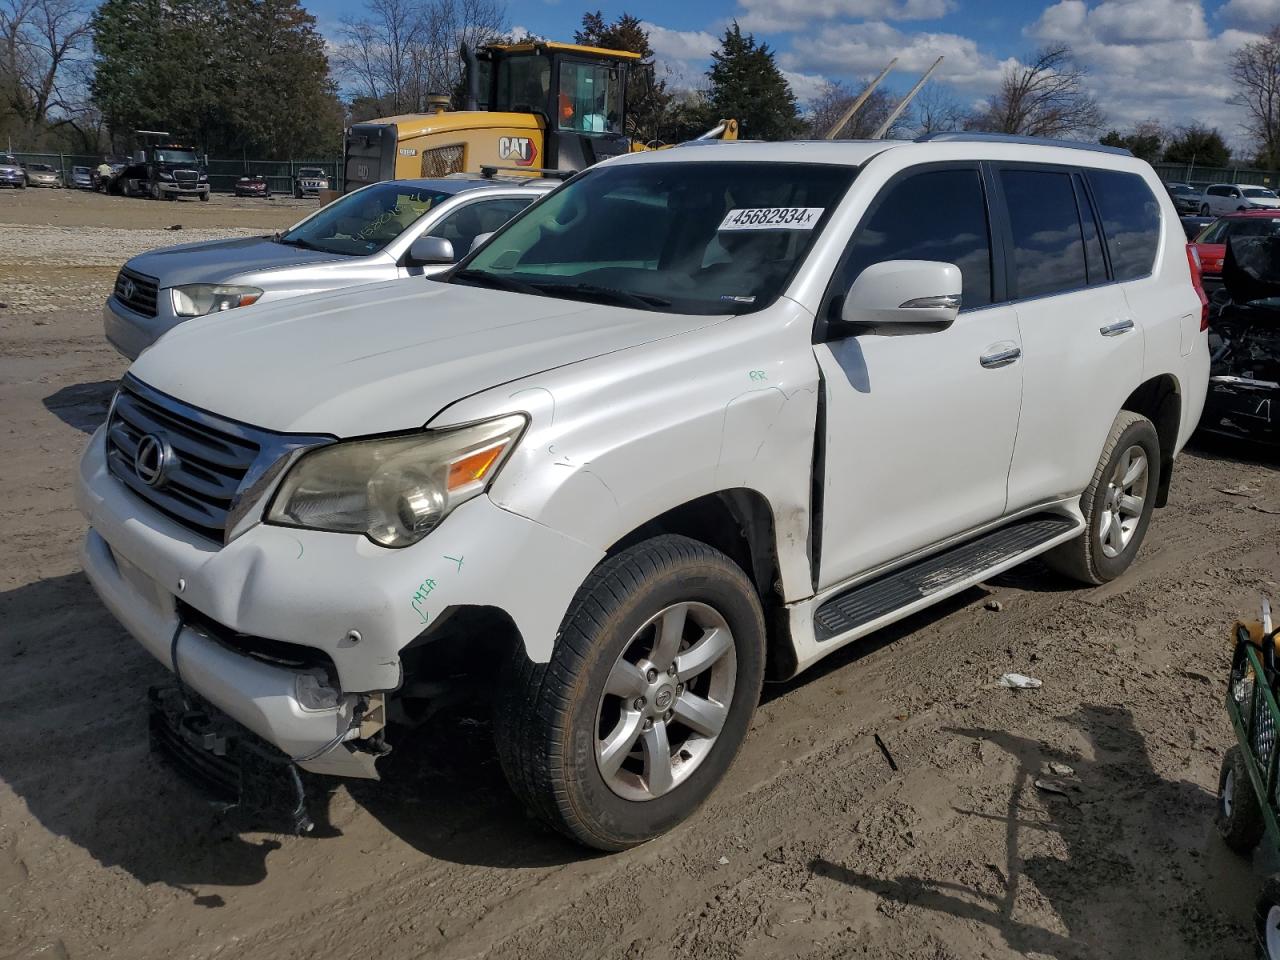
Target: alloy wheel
pixel 1123 503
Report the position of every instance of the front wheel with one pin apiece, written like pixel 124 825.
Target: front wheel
pixel 1238 817
pixel 646 700
pixel 204 197
pixel 1266 919
pixel 1204 210
pixel 1117 504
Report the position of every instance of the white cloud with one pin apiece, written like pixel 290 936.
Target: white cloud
pixel 863 49
pixel 1261 14
pixel 1150 59
pixel 788 15
pixel 683 54
pixel 806 86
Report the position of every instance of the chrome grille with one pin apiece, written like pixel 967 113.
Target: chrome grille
pixel 186 177
pixel 137 291
pixel 209 461
pixel 442 161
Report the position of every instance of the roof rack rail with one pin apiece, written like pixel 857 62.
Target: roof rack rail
pixel 974 137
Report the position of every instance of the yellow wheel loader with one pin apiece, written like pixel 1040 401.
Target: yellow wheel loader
pixel 532 108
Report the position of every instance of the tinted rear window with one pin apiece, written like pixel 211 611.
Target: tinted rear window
pixel 1048 246
pixel 1130 220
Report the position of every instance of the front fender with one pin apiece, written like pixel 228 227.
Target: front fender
pixel 619 440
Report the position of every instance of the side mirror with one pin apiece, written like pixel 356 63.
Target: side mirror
pixel 480 239
pixel 915 292
pixel 430 251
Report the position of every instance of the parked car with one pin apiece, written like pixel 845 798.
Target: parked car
pixel 377 233
pixel 1211 245
pixel 1186 198
pixel 698 416
pixel 309 181
pixel 43 175
pixel 82 178
pixel 1220 198
pixel 11 172
pixel 1194 226
pixel 1244 341
pixel 255 186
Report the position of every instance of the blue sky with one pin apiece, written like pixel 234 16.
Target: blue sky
pixel 1161 59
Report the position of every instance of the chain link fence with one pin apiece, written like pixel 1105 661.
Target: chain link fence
pixel 1203 176
pixel 223 174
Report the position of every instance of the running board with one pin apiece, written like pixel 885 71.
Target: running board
pixel 941 575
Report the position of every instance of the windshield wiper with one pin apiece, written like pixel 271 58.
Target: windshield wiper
pixel 482 278
pixel 294 242
pixel 590 291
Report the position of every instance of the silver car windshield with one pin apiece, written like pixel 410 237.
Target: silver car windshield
pixel 696 238
pixel 364 222
pixel 1260 192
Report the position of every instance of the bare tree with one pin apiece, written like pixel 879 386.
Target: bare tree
pixel 834 99
pixel 936 111
pixel 1043 98
pixel 402 51
pixel 40 40
pixel 1255 71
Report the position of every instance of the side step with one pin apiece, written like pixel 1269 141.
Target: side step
pixel 867 602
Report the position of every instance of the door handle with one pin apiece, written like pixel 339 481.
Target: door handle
pixel 1117 328
pixel 1001 358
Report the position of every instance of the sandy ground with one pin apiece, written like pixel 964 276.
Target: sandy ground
pixel 814 847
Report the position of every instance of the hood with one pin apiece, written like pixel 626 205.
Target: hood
pixel 385 356
pixel 214 261
pixel 1263 202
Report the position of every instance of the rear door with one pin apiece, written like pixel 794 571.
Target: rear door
pixel 1082 346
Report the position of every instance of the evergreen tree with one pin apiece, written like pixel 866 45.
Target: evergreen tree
pixel 1198 144
pixel 747 85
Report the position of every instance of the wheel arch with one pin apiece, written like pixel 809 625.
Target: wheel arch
pixel 1160 401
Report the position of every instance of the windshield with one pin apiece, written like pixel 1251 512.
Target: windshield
pixel 522 83
pixel 1219 231
pixel 1182 190
pixel 176 156
pixel 590 99
pixel 311 172
pixel 364 222
pixel 697 238
pixel 1259 192
pixel 40 167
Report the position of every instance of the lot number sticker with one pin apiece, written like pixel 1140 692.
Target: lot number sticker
pixel 772 218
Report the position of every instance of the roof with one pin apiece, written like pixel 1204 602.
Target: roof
pixel 460 184
pixel 533 46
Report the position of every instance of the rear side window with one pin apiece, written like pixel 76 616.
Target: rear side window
pixel 1048 246
pixel 933 215
pixel 1130 220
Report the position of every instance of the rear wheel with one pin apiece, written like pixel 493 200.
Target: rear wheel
pixel 1266 919
pixel 646 700
pixel 1238 817
pixel 1117 504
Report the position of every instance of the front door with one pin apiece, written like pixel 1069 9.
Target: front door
pixel 920 426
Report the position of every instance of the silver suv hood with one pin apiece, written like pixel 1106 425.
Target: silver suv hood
pixel 384 356
pixel 216 261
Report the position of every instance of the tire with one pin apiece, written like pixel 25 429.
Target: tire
pixel 1113 537
pixel 553 721
pixel 1238 816
pixel 297 193
pixel 155 191
pixel 1266 919
pixel 1204 210
pixel 204 197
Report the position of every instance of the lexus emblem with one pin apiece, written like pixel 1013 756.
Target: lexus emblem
pixel 127 288
pixel 153 460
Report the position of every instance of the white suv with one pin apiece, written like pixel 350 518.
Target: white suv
pixel 697 417
pixel 1220 198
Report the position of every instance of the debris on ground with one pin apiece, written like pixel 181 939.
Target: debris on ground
pixel 1018 681
pixel 1061 769
pixel 994 605
pixel 1049 786
pixel 885 750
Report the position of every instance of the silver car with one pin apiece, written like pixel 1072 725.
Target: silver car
pixel 397 228
pixel 11 172
pixel 43 175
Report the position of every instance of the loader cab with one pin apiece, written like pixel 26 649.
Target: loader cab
pixel 578 92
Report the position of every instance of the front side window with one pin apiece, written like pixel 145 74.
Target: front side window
pixel 932 215
pixel 522 83
pixel 590 98
pixel 1048 242
pixel 462 226
pixel 363 222
pixel 688 237
pixel 1130 221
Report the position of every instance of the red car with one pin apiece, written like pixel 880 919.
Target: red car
pixel 252 187
pixel 1211 245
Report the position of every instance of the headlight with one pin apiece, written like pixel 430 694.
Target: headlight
pixel 166 175
pixel 394 490
pixel 197 299
pixel 204 178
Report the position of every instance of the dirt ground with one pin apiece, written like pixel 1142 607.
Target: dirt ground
pixel 814 847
